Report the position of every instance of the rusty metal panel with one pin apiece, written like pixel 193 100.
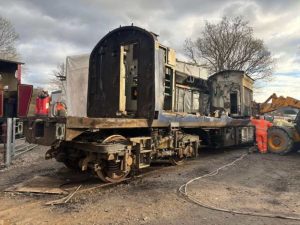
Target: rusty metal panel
pixel 73 133
pixel 159 79
pixel 171 57
pixel 122 90
pixel 105 123
pixel 41 131
pixel 164 120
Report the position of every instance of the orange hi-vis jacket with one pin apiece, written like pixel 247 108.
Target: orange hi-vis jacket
pixel 59 106
pixel 261 125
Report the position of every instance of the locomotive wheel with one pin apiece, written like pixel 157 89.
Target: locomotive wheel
pixel 111 172
pixel 114 139
pixel 279 141
pixel 111 177
pixel 177 160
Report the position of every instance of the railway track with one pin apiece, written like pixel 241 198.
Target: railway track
pixel 87 185
pixel 81 188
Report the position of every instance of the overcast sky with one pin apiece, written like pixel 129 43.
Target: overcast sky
pixel 51 30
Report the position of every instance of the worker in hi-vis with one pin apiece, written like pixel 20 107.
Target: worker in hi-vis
pixel 261 131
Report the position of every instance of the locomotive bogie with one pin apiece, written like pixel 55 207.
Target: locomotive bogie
pixel 116 154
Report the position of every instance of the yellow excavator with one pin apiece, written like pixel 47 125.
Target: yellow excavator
pixel 283 136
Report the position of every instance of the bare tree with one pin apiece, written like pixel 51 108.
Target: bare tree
pixel 230 45
pixel 8 38
pixel 58 78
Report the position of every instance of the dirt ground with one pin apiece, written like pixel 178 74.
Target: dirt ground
pixel 258 183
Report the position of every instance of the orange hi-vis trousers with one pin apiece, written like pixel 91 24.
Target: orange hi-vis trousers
pixel 261 131
pixel 262 141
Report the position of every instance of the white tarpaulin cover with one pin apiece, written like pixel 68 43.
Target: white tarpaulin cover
pixel 77 70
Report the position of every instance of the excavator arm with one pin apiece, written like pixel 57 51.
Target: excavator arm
pixel 277 103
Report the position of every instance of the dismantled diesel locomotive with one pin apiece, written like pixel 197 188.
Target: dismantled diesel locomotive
pixel 14 97
pixel 141 106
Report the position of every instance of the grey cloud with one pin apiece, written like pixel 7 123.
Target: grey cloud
pixel 50 30
pixel 247 10
pixel 278 6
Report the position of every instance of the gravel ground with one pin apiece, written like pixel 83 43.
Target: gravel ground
pixel 259 183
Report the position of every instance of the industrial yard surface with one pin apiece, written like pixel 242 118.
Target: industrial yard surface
pixel 258 183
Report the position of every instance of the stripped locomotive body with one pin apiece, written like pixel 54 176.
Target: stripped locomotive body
pixel 14 97
pixel 140 109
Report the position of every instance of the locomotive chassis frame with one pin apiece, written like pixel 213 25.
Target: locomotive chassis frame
pixel 160 139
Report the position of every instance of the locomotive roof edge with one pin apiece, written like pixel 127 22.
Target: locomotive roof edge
pixel 129 28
